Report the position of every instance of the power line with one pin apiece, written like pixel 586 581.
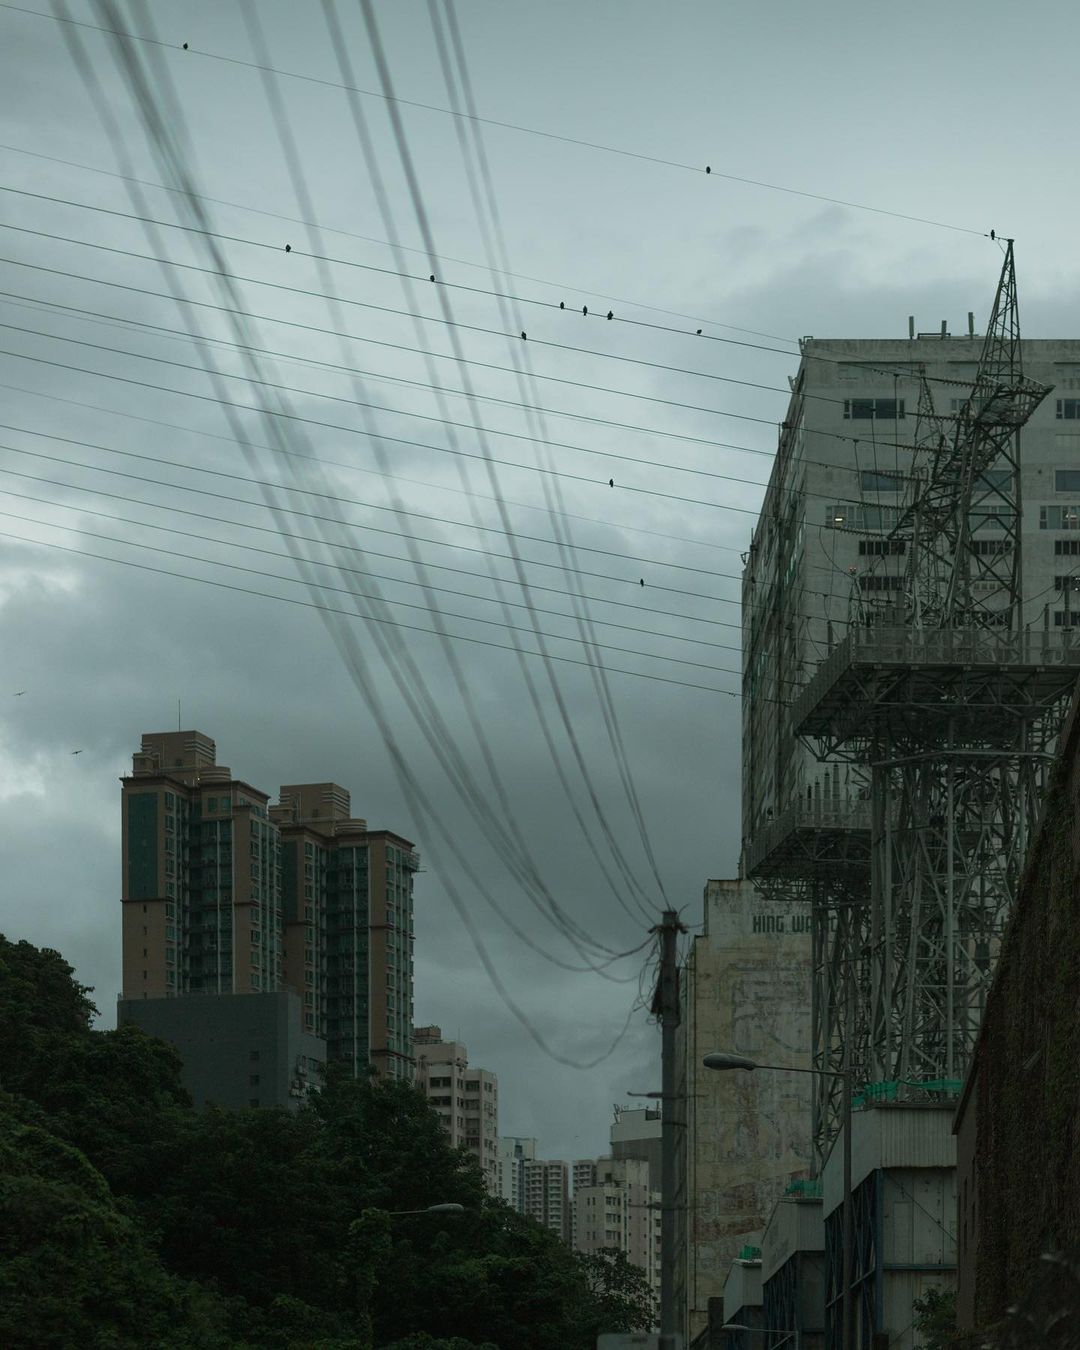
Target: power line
pixel 430 279
pixel 701 169
pixel 383 243
pixel 349 613
pixel 451 450
pixel 341 590
pixel 428 718
pixel 352 501
pixel 341 426
pixel 450 324
pixel 288 557
pixel 357 468
pixel 334 520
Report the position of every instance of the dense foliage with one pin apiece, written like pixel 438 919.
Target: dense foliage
pixel 128 1220
pixel 1028 1067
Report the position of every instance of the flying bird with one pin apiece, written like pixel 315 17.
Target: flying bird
pixel 76 752
pixel 19 694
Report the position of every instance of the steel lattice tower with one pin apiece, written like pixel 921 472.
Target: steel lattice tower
pixel 951 708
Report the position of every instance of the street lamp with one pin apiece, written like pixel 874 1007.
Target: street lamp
pixel 449 1208
pixel 765 1331
pixel 721 1060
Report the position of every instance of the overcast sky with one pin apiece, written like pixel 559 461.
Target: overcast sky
pixel 960 114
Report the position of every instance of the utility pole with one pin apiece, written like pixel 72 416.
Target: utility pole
pixel 665 1006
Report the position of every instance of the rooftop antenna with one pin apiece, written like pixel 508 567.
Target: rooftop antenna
pixel 911 326
pixel 971 323
pixel 179 724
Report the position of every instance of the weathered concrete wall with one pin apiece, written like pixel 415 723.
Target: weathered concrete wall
pixel 745 988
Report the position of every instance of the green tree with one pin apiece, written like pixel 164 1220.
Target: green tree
pixel 935 1319
pixel 74 1270
pixel 621 1296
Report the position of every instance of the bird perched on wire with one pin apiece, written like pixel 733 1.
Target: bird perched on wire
pixel 585 310
pixel 611 482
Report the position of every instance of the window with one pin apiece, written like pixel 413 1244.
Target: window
pixel 881 548
pixel 253 1080
pixel 860 516
pixel 1066 618
pixel 983 548
pixel 1067 546
pixel 1070 583
pixel 1067 480
pixel 1059 517
pixel 874 409
pixel 1068 409
pixel 254 1056
pixel 870 480
pixel 871 583
pixel 991 515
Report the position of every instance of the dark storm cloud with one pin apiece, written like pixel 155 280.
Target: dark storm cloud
pixel 105 652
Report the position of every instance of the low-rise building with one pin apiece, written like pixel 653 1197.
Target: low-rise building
pixel 238 1050
pixel 793 1270
pixel 903 1174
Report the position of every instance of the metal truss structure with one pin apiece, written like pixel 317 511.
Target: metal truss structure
pixel 948 709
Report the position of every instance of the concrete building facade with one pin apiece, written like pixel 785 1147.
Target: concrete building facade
pixel 615 1208
pixel 819 551
pixel 547 1195
pixel 635 1133
pixel 745 988
pixel 466 1099
pixel 226 894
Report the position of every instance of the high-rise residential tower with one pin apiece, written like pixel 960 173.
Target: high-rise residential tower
pixel 225 894
pixel 466 1099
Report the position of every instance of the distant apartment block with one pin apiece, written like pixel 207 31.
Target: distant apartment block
pixel 224 893
pixel 547 1195
pixel 616 1210
pixel 635 1133
pixel 466 1099
pixel 514 1153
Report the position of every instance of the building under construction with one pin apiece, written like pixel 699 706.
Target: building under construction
pixel 909 599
